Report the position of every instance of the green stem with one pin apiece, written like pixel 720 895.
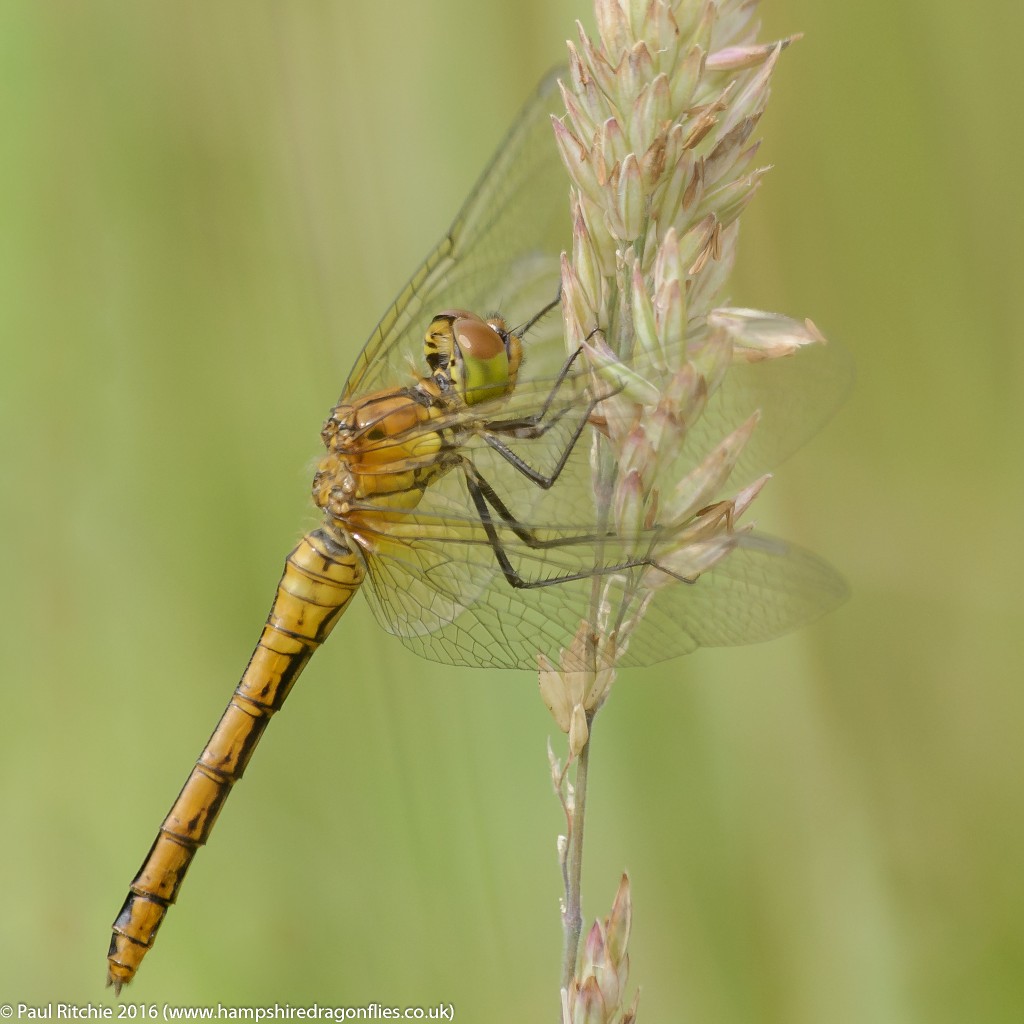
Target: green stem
pixel 572 916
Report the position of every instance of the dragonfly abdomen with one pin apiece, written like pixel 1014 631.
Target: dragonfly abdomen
pixel 319 579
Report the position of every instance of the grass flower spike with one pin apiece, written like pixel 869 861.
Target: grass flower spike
pixel 657 141
pixel 657 138
pixel 598 994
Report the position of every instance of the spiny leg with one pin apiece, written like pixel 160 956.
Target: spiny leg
pixel 544 480
pixel 485 498
pixel 535 425
pixel 520 331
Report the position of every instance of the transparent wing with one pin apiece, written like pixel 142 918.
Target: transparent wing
pixel 763 589
pixel 796 396
pixel 501 252
pixel 449 601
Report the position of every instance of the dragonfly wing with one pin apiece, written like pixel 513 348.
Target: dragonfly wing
pixel 436 583
pixel 796 396
pixel 761 590
pixel 428 569
pixel 501 252
pixel 491 624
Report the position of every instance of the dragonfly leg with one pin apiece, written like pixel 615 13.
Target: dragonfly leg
pixel 537 425
pixel 485 498
pixel 484 495
pixel 520 331
pixel 533 425
pixel 543 480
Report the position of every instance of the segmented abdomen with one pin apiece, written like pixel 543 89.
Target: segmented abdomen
pixel 320 576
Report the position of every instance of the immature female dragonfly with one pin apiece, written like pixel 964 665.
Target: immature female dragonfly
pixel 456 484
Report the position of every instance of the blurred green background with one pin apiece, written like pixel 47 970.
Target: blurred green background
pixel 203 209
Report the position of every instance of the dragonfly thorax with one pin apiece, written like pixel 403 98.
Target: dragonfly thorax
pixel 383 450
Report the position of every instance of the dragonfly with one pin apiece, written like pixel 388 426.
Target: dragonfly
pixel 456 495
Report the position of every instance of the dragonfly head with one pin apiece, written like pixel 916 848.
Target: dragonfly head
pixel 478 359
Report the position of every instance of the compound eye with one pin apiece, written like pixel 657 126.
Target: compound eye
pixel 483 365
pixel 477 339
